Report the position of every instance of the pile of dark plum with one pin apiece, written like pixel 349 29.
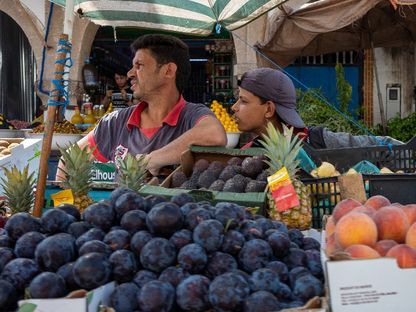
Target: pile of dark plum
pixel 175 255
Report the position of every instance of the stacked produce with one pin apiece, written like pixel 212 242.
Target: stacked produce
pixel 59 127
pixel 175 255
pixel 226 120
pixel 6 147
pixel 237 175
pixel 373 230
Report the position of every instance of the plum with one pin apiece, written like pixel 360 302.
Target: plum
pixel 8 296
pixel 261 301
pixel 192 258
pixel 54 251
pixel 65 272
pixel 156 296
pixel 209 234
pixel 254 255
pixel 182 199
pixel 173 275
pixel 158 254
pixel 19 272
pixel 6 255
pixel 228 291
pixel 133 221
pixel 138 240
pixel 124 265
pixel 47 285
pixel 233 242
pixel 124 298
pixel 220 263
pixel 26 245
pixel 117 239
pixel 100 214
pixel 164 219
pixel 192 293
pixel 144 276
pixel 91 234
pixel 92 270
pixel 21 223
pixel 56 221
pixel 95 246
pixel 71 210
pixel 76 229
pixel 127 202
pixel 181 238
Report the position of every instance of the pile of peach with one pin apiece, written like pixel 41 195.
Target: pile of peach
pixel 374 229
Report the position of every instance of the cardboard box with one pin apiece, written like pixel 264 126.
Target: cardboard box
pixel 90 303
pixel 27 152
pixel 368 284
pixel 188 159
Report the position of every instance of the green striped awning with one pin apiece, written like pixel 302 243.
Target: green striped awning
pixel 185 16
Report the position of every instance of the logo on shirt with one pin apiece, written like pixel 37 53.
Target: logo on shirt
pixel 119 154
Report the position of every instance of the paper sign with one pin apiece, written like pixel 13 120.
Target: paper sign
pixel 283 192
pixel 63 197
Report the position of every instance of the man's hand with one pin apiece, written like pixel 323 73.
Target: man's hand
pixel 152 166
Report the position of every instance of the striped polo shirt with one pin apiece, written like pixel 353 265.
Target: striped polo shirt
pixel 120 133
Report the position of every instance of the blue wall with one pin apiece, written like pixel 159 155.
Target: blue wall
pixel 324 77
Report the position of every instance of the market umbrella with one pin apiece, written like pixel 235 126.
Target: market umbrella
pixel 198 17
pixel 328 26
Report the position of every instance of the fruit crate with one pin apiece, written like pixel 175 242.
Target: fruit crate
pixel 325 192
pixel 188 158
pixel 396 157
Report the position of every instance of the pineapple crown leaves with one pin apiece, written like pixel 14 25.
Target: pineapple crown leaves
pixel 132 171
pixel 18 188
pixel 78 168
pixel 281 149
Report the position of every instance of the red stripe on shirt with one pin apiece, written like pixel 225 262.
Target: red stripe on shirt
pixel 96 153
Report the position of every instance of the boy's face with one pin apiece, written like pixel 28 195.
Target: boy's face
pixel 250 112
pixel 121 80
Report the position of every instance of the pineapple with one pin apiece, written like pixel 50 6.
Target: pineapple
pixel 281 149
pixel 132 172
pixel 78 174
pixel 18 189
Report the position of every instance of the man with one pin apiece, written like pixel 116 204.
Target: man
pixel 268 95
pixel 122 96
pixel 163 124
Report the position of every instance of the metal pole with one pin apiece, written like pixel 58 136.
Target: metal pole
pixel 380 100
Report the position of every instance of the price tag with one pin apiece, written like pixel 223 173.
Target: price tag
pixel 283 191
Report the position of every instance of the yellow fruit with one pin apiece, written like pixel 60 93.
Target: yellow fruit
pixel 325 170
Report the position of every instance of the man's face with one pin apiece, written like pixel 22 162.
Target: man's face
pixel 121 80
pixel 250 112
pixel 146 76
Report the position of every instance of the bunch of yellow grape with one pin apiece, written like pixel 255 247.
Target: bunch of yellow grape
pixel 226 120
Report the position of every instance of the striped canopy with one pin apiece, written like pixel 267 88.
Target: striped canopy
pixel 199 17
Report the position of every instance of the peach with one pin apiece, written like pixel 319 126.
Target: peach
pixel 365 209
pixel 362 252
pixel 410 211
pixel 383 246
pixel 330 226
pixel 343 207
pixel 405 256
pixel 377 201
pixel 356 228
pixel 392 223
pixel 411 236
pixel 331 245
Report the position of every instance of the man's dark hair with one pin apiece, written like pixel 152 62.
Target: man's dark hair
pixel 166 49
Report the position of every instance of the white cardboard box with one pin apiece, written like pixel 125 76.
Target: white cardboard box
pixel 369 285
pixel 90 303
pixel 27 152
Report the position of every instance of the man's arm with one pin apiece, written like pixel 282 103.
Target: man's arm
pixel 60 176
pixel 208 132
